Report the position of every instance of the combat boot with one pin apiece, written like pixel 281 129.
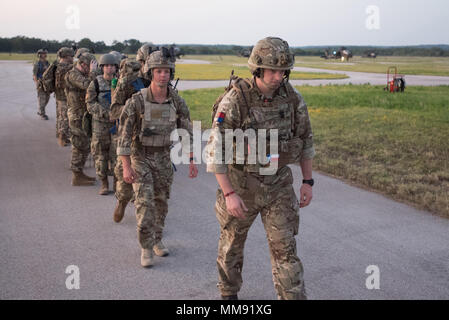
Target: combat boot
pixel 146 258
pixel 104 190
pixel 79 180
pixel 160 250
pixel 44 116
pixel 87 177
pixel 119 211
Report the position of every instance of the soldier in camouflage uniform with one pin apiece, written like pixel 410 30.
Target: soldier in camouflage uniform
pixel 132 79
pixel 267 101
pixel 38 70
pixel 104 131
pixel 148 119
pixel 77 81
pixel 65 63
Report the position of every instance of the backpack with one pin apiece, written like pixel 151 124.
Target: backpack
pixel 48 78
pixel 242 87
pixel 60 73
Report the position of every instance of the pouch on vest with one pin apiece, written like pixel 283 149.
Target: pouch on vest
pixel 291 151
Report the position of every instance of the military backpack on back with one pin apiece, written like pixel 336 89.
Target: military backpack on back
pixel 48 78
pixel 60 73
pixel 242 87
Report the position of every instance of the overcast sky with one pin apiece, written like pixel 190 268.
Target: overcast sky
pixel 242 22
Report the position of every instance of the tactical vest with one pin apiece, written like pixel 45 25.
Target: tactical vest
pixel 158 121
pixel 103 89
pixel 41 67
pixel 264 114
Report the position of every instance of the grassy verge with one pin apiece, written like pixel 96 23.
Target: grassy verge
pixel 406 65
pixel 397 144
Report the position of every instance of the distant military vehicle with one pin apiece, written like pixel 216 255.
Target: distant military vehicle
pixel 342 54
pixel 177 51
pixel 246 52
pixel 371 55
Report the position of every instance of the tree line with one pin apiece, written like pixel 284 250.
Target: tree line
pixel 22 44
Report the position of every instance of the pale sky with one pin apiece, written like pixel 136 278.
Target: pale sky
pixel 241 22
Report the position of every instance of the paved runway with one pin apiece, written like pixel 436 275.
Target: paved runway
pixel 47 225
pixel 354 78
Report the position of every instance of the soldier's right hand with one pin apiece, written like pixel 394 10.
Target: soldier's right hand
pixel 235 206
pixel 129 175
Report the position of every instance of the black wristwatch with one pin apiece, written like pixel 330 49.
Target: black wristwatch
pixel 310 182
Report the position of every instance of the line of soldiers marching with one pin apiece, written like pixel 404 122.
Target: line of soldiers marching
pixel 124 111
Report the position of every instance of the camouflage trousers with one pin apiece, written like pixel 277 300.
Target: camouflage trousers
pixel 103 147
pixel 62 120
pixel 80 142
pixel 275 200
pixel 152 190
pixel 43 99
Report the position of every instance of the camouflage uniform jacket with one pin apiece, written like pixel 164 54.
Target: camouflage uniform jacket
pixel 76 87
pixel 131 123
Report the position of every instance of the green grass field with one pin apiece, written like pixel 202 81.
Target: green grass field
pixel 397 144
pixel 406 65
pixel 223 71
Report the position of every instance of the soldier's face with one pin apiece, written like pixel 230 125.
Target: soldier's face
pixel 161 76
pixel 85 67
pixel 109 69
pixel 273 78
pixel 43 56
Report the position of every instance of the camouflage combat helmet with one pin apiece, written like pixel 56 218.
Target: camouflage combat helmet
pixel 143 52
pixel 41 51
pixel 159 59
pixel 108 59
pixel 86 57
pixel 80 51
pixel 65 52
pixel 129 66
pixel 119 56
pixel 271 53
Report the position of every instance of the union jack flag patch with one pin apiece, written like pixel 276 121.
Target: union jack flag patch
pixel 221 117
